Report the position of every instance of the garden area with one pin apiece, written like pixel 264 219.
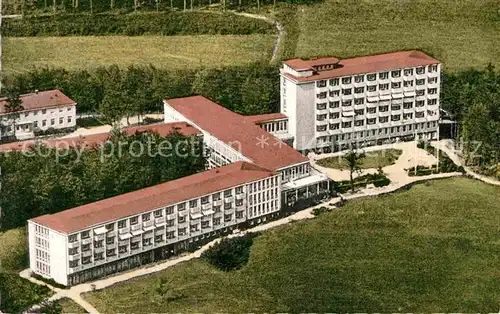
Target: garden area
pixel 375 159
pixel 409 251
pixel 445 163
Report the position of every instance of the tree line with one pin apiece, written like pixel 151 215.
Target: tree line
pixel 473 98
pixel 46 181
pixel 162 23
pixel 117 92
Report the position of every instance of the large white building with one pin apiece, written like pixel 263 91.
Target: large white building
pixel 41 111
pixel 252 175
pixel 331 103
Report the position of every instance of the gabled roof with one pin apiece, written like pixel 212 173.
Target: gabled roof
pixel 154 197
pixel 365 64
pixel 93 140
pixel 240 133
pixel 39 100
pixel 260 118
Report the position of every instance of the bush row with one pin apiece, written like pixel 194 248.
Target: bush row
pixel 163 23
pixel 378 180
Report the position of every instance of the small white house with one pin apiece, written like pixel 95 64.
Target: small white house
pixel 41 110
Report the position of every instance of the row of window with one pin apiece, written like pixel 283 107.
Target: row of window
pixel 373 88
pixel 42 255
pixel 43 268
pixel 41 242
pixel 381 132
pixel 373 76
pixel 43 111
pixel 263 196
pixel 275 126
pixel 361 101
pixel 372 121
pixel 263 209
pixel 295 172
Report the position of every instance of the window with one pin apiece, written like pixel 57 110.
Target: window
pixel 346 124
pixel 395 107
pixel 146 217
pixel 35 124
pixel 169 210
pixel 52 121
pixel 359 101
pixel 122 249
pixel 134 220
pixel 171 234
pixel 85 234
pixel 359 123
pixel 346 103
pixel 383 119
pixel 407 116
pixel 371 121
pixel 44 122
pixel 73 264
pixel 205 224
pixel 134 245
pixel 334 104
pixel 433 68
pixel 420 70
pixel 72 238
pixel 419 114
pixel 432 80
pixel 110 240
pixel 204 200
pixel 408 83
pixel 159 238
pixel 146 242
pixel 420 92
pixel 396 73
pixel 321 106
pixel 407 105
pixel 61 120
pixel 239 190
pixel 321 83
pixel 98 256
pixel 395 117
pixel 408 72
pixel 44 111
pixel 432 102
pixel 193 203
pixel 181 219
pixel 372 88
pixel 359 112
pixel 346 80
pixel 396 85
pixel 359 90
pixel 347 91
pixel 420 82
pixel 228 217
pixel 98 244
pixel 239 214
pixel 228 193
pixel 239 202
pixel 432 91
pixel 216 197
pixel 321 117
pixel 383 108
pixel 170 222
pixel 111 252
pixel 122 224
pixel 383 75
pixel 371 110
pixel 321 128
pixel 334 93
pixel 194 228
pixel 359 78
pixel 383 86
pixel 217 221
pixel 217 208
pixel 158 213
pixel 334 126
pixel 321 95
pixel 334 82
pixel 371 77
pixel 181 206
pixel 86 260
pixel 110 227
pixel 419 103
pixel 334 115
pixel 73 251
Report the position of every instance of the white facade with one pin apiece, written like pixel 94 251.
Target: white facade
pixel 366 107
pixel 28 121
pixel 75 257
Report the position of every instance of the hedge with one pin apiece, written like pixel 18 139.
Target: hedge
pixel 378 180
pixel 163 23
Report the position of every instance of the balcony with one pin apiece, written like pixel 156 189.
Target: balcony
pixel 160 221
pixel 421 87
pixel 420 120
pixel 347 97
pixel 148 225
pixel 240 196
pixel 322 133
pixel 322 111
pixel 384 113
pixel 99 249
pixel 206 206
pixel 74 257
pixel 87 241
pixel 396 79
pixel 195 215
pixel 420 97
pixel 74 244
pixel 229 211
pixel 87 253
pixel 398 111
pixel 111 233
pixel 99 237
pixel 420 76
pixel 217 203
pixel 111 246
pixel 409 110
pixel 228 199
pixel 397 101
pixel 124 230
pixel 357 107
pixel 397 91
pixel 136 227
pixel 371 115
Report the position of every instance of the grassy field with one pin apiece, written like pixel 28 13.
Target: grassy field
pixel 460 33
pixel 22 54
pixel 13 250
pixel 375 159
pixel 433 248
pixel 70 306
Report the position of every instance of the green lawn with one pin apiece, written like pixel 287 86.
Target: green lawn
pixel 433 248
pixel 382 158
pixel 174 52
pixel 70 306
pixel 460 33
pixel 13 250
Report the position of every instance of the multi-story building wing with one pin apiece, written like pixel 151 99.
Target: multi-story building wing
pixel 332 103
pixel 128 230
pixel 258 139
pixel 40 111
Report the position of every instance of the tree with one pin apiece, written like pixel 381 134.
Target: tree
pixel 13 106
pixel 353 158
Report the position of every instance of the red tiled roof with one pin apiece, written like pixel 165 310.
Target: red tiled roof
pixel 43 99
pixel 266 117
pixel 242 134
pixel 93 140
pixel 154 197
pixel 365 64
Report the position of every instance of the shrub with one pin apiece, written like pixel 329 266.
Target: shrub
pixel 18 293
pixel 229 253
pixel 165 23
